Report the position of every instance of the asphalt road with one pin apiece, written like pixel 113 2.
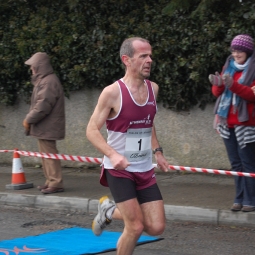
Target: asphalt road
pixel 180 238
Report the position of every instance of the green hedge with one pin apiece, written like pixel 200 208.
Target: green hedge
pixel 83 40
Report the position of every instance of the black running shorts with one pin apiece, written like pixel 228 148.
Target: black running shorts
pixel 123 189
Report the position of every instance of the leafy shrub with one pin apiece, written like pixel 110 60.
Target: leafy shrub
pixel 83 40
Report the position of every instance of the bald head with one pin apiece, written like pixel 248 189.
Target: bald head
pixel 127 47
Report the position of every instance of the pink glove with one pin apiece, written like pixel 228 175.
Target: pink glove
pixel 215 79
pixel 227 80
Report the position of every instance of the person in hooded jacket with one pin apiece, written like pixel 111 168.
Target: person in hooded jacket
pixel 235 116
pixel 46 118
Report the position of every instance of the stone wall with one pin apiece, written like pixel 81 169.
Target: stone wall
pixel 187 138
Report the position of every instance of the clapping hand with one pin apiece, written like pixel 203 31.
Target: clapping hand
pixel 227 80
pixel 215 79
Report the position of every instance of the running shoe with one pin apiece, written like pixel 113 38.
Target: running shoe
pixel 101 220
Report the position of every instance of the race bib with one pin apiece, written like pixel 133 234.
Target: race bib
pixel 138 144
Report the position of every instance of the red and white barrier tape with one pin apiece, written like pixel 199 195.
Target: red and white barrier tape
pixel 56 156
pixel 60 156
pixel 212 171
pixel 99 161
pixel 6 150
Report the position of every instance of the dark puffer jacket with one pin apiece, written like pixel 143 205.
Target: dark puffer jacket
pixel 47 111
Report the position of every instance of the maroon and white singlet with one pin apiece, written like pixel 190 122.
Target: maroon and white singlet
pixel 129 132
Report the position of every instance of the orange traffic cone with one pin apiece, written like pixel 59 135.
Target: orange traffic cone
pixel 18 175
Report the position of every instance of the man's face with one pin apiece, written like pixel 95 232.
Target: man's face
pixel 142 59
pixel 32 70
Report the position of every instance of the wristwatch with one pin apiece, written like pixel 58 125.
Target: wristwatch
pixel 158 149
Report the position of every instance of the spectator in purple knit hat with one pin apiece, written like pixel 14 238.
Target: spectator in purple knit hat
pixel 243 43
pixel 234 116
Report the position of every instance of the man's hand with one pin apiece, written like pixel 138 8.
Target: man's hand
pixel 119 162
pixel 26 125
pixel 162 163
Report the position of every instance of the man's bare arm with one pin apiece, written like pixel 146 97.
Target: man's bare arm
pixel 107 102
pixel 97 120
pixel 161 161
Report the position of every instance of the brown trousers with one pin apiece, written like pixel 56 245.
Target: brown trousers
pixel 51 167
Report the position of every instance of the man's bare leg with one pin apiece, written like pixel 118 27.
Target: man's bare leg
pixel 132 216
pixel 154 217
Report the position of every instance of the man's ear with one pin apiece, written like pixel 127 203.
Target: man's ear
pixel 125 60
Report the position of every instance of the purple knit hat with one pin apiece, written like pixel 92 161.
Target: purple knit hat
pixel 243 43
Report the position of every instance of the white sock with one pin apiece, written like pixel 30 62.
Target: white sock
pixel 110 211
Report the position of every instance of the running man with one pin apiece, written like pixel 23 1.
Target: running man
pixel 128 107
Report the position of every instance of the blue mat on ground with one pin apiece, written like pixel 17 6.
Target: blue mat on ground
pixel 69 241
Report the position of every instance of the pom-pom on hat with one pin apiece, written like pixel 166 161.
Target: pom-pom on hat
pixel 243 43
